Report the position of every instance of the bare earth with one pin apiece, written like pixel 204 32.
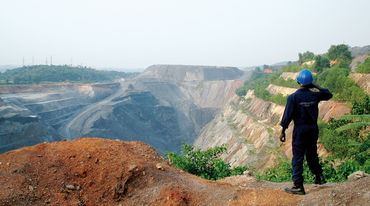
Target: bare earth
pixel 92 171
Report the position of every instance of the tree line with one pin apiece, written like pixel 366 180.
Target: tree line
pixel 58 73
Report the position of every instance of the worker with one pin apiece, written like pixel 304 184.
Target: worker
pixel 302 108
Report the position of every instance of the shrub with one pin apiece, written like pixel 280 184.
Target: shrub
pixel 321 63
pixel 337 81
pixel 241 91
pixel 206 164
pixel 285 83
pixel 364 67
pixel 361 106
pixel 293 67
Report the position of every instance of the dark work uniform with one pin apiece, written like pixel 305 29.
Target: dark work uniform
pixel 302 108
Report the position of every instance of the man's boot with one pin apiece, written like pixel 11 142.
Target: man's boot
pixel 297 189
pixel 319 179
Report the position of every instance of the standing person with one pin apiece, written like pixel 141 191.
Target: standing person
pixel 302 108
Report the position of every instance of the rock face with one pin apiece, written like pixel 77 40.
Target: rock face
pixel 136 115
pixel 362 80
pixel 180 73
pixel 19 127
pixel 289 75
pixel 164 106
pixel 92 171
pixel 285 91
pixel 31 114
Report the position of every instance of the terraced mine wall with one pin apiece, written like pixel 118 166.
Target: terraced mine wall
pixel 164 106
pixel 31 114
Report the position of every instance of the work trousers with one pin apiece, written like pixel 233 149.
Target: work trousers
pixel 305 144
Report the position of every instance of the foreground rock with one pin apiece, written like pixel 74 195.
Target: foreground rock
pixel 93 171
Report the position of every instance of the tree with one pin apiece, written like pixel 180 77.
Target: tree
pixel 361 106
pixel 43 73
pixel 339 52
pixel 364 67
pixel 306 56
pixel 321 63
pixel 241 91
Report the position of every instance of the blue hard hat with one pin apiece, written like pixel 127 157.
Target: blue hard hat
pixel 305 77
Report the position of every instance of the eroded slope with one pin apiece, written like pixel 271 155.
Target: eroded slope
pixel 92 171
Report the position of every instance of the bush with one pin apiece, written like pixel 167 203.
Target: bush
pixel 321 63
pixel 285 83
pixel 241 91
pixel 283 171
pixel 279 99
pixel 337 81
pixel 206 164
pixel 293 67
pixel 364 67
pixel 361 106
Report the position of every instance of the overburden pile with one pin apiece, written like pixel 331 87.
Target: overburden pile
pixel 93 171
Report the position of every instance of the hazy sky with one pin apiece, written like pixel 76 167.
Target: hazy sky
pixel 139 33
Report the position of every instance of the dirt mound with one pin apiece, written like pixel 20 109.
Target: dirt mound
pixel 92 171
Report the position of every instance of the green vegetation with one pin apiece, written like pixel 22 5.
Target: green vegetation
pixel 364 67
pixel 307 56
pixel 293 67
pixel 45 74
pixel 206 164
pixel 259 84
pixel 339 52
pixel 334 78
pixel 285 83
pixel 320 63
pixel 337 81
pixel 241 91
pixel 361 107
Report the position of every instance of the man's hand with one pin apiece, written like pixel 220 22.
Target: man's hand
pixel 282 135
pixel 310 86
pixel 316 86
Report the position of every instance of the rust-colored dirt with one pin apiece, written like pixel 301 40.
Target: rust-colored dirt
pixel 92 171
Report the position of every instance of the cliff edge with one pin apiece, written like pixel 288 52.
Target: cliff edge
pixel 92 171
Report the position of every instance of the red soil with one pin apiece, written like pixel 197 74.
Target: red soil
pixel 92 171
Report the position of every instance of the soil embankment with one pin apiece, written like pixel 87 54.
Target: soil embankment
pixel 92 171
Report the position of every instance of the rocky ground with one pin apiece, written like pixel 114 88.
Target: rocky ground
pixel 92 171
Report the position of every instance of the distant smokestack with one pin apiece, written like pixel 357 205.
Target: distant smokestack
pixel 23 61
pixel 51 60
pixel 46 61
pixel 33 60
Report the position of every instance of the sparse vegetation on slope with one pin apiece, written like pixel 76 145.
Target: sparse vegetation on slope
pixel 259 82
pixel 364 67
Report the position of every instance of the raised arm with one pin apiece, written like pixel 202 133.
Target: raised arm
pixel 324 93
